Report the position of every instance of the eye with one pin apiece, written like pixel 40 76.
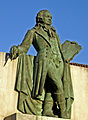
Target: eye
pixel 49 16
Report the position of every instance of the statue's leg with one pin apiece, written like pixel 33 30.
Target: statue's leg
pixel 48 105
pixel 55 74
pixel 40 71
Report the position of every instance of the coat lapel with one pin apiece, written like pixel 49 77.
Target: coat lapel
pixel 43 34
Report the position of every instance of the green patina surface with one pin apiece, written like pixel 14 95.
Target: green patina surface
pixel 44 82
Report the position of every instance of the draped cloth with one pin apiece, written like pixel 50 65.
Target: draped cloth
pixel 68 88
pixel 24 84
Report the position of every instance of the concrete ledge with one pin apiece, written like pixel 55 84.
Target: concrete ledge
pixel 20 116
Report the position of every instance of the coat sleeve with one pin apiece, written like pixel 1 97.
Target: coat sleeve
pixel 26 43
pixel 59 44
pixel 15 51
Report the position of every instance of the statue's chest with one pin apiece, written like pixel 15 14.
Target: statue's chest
pixel 53 42
pixel 45 39
pixel 41 40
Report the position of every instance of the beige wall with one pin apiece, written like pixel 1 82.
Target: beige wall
pixel 8 97
pixel 80 86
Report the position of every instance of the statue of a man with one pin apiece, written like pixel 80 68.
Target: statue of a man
pixel 49 61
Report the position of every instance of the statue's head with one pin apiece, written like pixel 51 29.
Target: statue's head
pixel 44 17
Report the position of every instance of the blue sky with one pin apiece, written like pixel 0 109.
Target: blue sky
pixel 70 18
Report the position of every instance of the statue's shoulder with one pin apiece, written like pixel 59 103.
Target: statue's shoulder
pixel 54 30
pixel 31 30
pixel 36 28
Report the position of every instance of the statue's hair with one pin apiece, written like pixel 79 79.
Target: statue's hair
pixel 39 16
pixel 40 13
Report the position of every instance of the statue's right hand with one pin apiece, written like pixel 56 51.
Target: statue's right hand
pixel 13 52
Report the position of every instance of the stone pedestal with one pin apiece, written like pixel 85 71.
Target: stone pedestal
pixel 19 116
pixel 9 97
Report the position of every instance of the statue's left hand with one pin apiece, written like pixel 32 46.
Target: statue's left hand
pixel 13 52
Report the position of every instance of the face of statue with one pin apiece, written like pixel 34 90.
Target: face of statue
pixel 44 17
pixel 47 18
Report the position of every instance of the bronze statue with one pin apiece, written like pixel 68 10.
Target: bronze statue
pixel 44 81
